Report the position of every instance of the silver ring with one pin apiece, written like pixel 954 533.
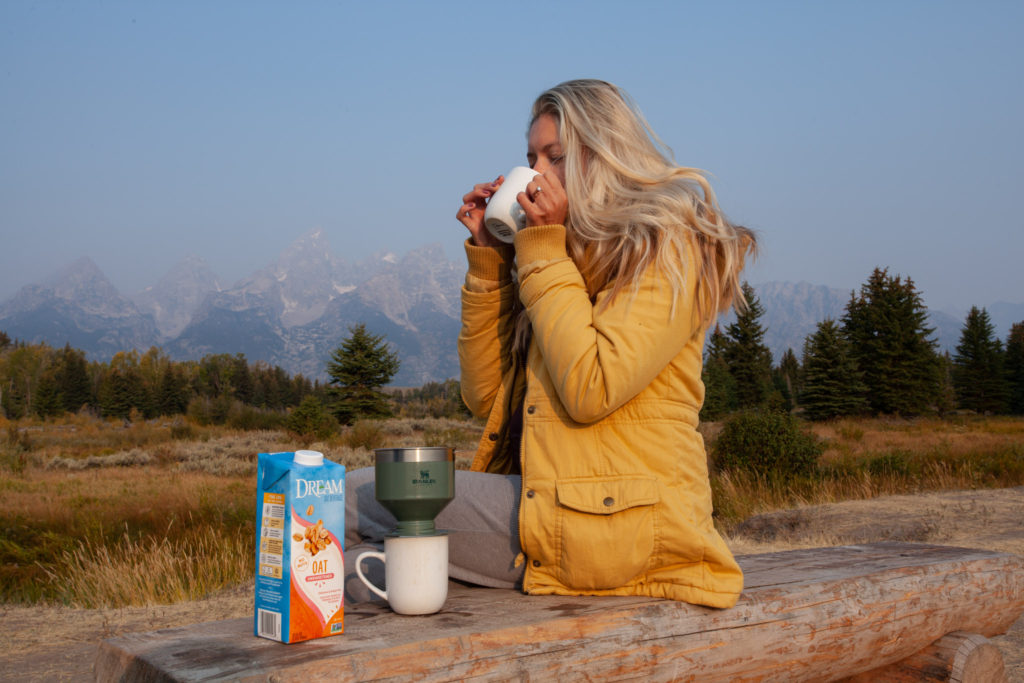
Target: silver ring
pixel 539 188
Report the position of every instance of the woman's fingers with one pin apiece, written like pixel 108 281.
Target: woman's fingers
pixel 483 190
pixel 476 199
pixel 544 201
pixel 471 213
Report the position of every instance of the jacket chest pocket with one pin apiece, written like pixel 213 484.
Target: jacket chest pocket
pixel 605 529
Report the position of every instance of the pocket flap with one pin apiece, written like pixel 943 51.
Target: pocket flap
pixel 605 496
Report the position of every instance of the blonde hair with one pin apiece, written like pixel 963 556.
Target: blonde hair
pixel 631 207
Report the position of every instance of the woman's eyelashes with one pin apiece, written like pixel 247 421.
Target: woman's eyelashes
pixel 552 160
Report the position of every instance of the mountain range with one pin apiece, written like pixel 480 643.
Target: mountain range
pixel 297 310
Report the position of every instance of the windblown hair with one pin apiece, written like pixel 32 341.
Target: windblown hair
pixel 631 207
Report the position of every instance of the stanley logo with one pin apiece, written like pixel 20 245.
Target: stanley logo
pixel 425 478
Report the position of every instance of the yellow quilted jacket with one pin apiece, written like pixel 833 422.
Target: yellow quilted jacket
pixel 615 497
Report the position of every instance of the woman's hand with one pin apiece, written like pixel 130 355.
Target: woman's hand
pixel 544 201
pixel 471 213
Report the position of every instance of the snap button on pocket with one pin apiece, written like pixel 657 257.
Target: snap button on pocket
pixel 531 493
pixel 493 436
pixel 609 501
pixel 536 563
pixel 531 410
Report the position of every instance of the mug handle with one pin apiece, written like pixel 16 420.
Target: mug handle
pixel 359 571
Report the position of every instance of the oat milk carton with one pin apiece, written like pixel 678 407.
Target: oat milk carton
pixel 300 567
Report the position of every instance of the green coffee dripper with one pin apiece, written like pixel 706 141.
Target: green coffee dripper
pixel 415 484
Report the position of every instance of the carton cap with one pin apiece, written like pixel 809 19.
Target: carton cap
pixel 309 458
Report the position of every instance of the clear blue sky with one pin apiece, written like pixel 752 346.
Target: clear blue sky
pixel 850 135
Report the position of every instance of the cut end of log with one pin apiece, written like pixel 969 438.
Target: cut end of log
pixel 957 657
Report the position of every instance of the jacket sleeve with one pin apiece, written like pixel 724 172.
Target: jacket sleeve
pixel 485 337
pixel 599 357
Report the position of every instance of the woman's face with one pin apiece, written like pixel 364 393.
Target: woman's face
pixel 544 151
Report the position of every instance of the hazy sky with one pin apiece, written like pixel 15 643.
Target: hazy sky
pixel 849 135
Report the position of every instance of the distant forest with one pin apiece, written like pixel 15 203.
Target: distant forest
pixel 42 381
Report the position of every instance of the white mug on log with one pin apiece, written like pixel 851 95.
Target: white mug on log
pixel 415 573
pixel 504 217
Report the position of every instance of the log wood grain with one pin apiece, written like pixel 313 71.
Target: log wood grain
pixel 821 614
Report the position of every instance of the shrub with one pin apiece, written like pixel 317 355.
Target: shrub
pixel 851 432
pixel 368 434
pixel 18 439
pixel 14 450
pixel 132 458
pixel 250 418
pixel 182 430
pixel 895 463
pixel 443 437
pixel 199 410
pixel 311 420
pixel 766 442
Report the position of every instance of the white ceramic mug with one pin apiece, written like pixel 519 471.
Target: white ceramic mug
pixel 415 573
pixel 504 217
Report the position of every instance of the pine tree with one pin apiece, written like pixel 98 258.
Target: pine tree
pixel 115 394
pixel 748 358
pixel 172 391
pixel 13 399
pixel 214 376
pixel 786 379
pixel 719 386
pixel 241 379
pixel 47 401
pixel 73 380
pixel 978 375
pixel 298 389
pixel 946 402
pixel 886 325
pixel 358 368
pixel 1014 366
pixel 832 383
pixel 269 385
pixel 310 420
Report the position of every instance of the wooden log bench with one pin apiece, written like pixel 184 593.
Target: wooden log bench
pixel 884 611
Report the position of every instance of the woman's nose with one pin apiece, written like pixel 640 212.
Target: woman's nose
pixel 541 165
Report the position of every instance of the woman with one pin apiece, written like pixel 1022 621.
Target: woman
pixel 581 345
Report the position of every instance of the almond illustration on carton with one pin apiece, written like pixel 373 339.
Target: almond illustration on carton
pixel 316 538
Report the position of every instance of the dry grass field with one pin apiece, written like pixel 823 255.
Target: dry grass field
pixel 868 458
pixel 87 500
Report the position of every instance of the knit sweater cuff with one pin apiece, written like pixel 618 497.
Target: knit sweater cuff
pixel 489 264
pixel 540 243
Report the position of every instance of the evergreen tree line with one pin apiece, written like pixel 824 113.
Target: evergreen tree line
pixel 39 380
pixel 880 358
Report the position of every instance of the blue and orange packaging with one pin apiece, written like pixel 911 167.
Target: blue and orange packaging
pixel 300 558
